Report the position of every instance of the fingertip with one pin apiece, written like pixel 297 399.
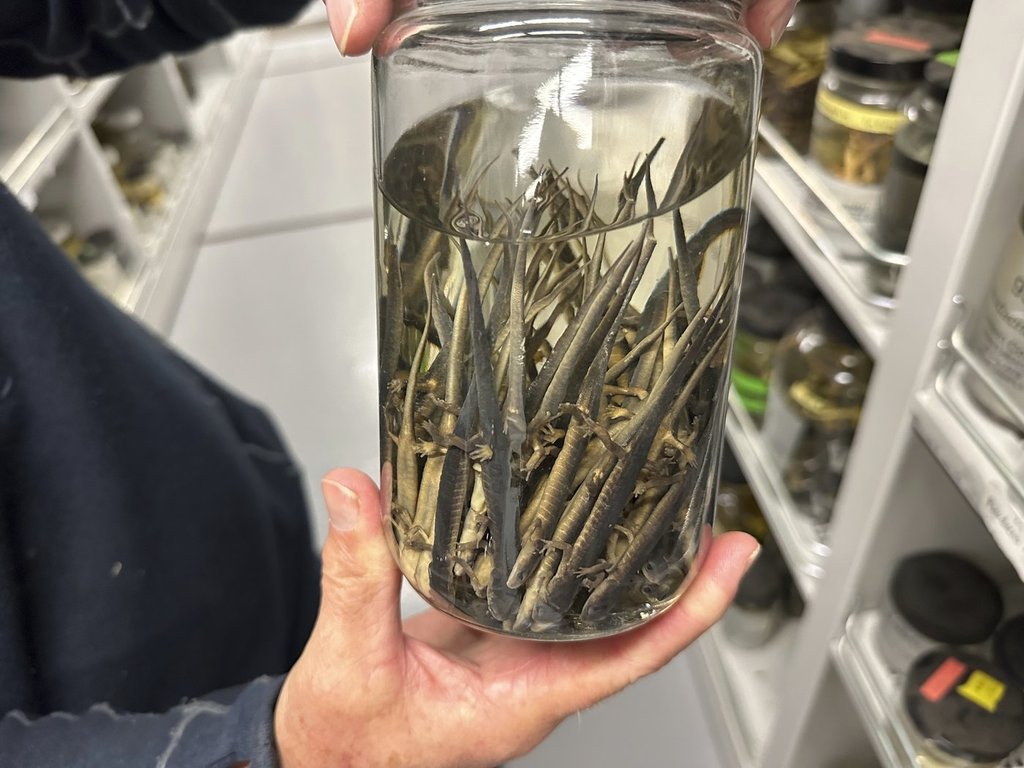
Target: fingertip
pixel 767 20
pixel 730 555
pixel 355 24
pixel 352 499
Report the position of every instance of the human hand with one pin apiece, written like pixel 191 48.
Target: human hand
pixel 355 24
pixel 434 693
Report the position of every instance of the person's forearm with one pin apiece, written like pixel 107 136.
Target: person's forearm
pixel 200 734
pixel 93 37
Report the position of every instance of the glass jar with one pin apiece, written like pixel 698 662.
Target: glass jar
pixel 62 233
pixel 936 598
pixel 764 316
pixel 965 712
pixel 871 70
pixel 912 153
pixel 1008 648
pixel 995 332
pixel 99 261
pixel 132 149
pixel 818 382
pixel 792 68
pixel 757 611
pixel 562 194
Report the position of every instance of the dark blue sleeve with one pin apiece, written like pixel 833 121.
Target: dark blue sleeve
pixel 203 733
pixel 92 37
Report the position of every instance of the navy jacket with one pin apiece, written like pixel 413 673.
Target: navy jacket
pixel 156 566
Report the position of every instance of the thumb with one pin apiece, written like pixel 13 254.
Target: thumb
pixel 359 605
pixel 767 19
pixel 356 23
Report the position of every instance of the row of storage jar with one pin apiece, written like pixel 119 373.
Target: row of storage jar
pixel 798 372
pixel 947 637
pixel 866 102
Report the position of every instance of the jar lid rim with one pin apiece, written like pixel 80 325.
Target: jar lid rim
pixel 892 48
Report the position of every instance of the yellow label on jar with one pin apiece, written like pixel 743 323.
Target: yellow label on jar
pixel 983 690
pixel 858 117
pixel 819 408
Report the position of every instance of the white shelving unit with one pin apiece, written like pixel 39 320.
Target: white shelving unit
pixel 50 158
pixel 745 685
pixel 784 200
pixel 929 468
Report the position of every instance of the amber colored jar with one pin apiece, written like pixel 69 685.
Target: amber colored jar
pixel 792 68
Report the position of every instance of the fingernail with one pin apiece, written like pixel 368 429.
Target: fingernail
pixel 752 557
pixel 342 505
pixel 779 22
pixel 350 9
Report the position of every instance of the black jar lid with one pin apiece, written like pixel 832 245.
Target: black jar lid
pixel 764 584
pixel 893 48
pixel 770 311
pixel 832 325
pixel 964 706
pixel 946 598
pixel 1008 648
pixel 99 245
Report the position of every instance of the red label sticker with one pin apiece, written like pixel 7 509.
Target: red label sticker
pixel 882 37
pixel 942 680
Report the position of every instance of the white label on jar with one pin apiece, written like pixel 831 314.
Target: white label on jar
pixel 1005 521
pixel 783 426
pixel 997 335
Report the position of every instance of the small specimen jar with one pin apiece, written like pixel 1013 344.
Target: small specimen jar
pixel 758 610
pixel 818 382
pixel 936 598
pixel 562 189
pixel 100 263
pixel 871 70
pixel 964 711
pixel 765 316
pixel 995 332
pixel 792 68
pixel 1008 648
pixel 912 152
pixel 132 149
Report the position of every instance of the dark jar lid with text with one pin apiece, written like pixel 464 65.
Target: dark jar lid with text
pixel 770 311
pixel 895 49
pixel 946 598
pixel 964 707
